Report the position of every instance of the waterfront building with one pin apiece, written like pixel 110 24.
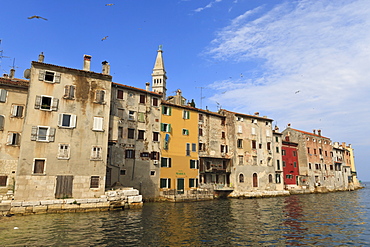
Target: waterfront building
pixel 277 158
pixel 251 151
pixel 290 163
pixel 134 143
pixel 13 97
pixel 350 160
pixel 64 141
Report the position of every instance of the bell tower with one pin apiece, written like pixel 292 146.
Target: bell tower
pixel 159 75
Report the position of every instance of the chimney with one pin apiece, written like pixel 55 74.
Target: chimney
pixel 276 128
pixel 105 68
pixel 257 113
pixel 87 60
pixel 288 125
pixel 41 57
pixel 319 132
pixel 314 132
pixel 147 86
pixel 12 72
pixel 5 75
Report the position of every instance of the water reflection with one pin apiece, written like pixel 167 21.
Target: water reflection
pixel 299 220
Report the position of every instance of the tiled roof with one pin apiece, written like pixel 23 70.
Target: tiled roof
pixel 309 133
pixel 14 82
pixel 247 115
pixel 192 108
pixel 137 89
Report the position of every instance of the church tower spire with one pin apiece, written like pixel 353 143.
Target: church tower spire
pixel 159 75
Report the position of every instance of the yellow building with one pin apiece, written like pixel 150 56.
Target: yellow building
pixel 179 156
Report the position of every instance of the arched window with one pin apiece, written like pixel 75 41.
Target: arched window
pixel 241 178
pixel 270 178
pixel 255 180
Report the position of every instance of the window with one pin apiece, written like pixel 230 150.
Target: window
pixel 119 94
pixel 240 129
pixel 49 76
pixel 187 149
pixel 185 114
pixel 223 149
pixel 276 139
pixel 165 162
pixel 278 164
pixel 46 103
pixel 94 182
pixel 96 153
pixel 39 166
pixel 2 122
pixel 269 146
pixel 240 119
pixel 223 121
pixel 3 94
pixel 223 136
pixel 308 150
pixel 13 139
pixel 152 173
pixel 270 178
pixel 100 96
pixel 98 124
pixel 200 132
pixel 141 117
pixel 295 164
pixel 3 180
pixel 200 117
pixel 67 120
pixel 193 147
pixel 193 182
pixel 17 111
pixel 131 115
pixel 241 178
pixel 166 110
pixel 42 133
pixel 155 136
pixel 255 180
pixel 309 166
pixel 142 99
pixel 277 178
pixel 284 164
pixel 69 92
pixel 202 146
pixel 122 172
pixel 165 183
pixel 120 113
pixel 240 159
pixel 165 127
pixel 320 151
pixel 254 144
pixel 314 151
pixel 63 151
pixel 283 152
pixel 253 131
pixel 140 134
pixel 267 132
pixel 145 154
pixel 130 154
pixel 277 149
pixel 185 132
pixel 254 121
pixel 155 101
pixel 154 155
pixel 193 164
pixel 130 133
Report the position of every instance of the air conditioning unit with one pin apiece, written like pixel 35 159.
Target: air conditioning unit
pixel 155 162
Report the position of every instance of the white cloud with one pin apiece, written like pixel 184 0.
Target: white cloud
pixel 317 47
pixel 209 5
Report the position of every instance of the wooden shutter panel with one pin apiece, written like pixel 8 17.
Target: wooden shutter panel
pixel 9 139
pixel 73 121
pixel 162 127
pixel 54 106
pixel 3 93
pixel 57 77
pixel 41 75
pixel 66 91
pixel 2 122
pixel 169 111
pixel 169 128
pixel 60 119
pixel 17 137
pixel 34 133
pixel 20 111
pixel 72 91
pixel 3 180
pixel 14 111
pixel 38 102
pixel 51 134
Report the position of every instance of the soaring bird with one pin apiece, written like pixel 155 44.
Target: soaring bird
pixel 104 38
pixel 37 17
pixel 109 4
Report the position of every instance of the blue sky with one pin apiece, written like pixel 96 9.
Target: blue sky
pixel 303 62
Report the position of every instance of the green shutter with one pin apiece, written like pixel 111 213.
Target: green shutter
pixel 162 127
pixel 169 128
pixel 169 111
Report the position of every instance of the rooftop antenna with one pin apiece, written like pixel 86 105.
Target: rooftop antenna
pixel 13 67
pixel 201 96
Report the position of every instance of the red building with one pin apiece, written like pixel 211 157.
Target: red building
pixel 290 162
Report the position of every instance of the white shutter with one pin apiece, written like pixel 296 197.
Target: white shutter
pixel 54 106
pixel 3 93
pixel 41 75
pixel 66 91
pixel 72 124
pixel 98 123
pixel 253 131
pixel 267 132
pixel 57 77
pixel 60 119
pixel 240 129
pixel 34 133
pixel 10 138
pixel 38 102
pixel 51 134
pixel 14 110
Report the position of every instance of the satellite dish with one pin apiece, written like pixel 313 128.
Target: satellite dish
pixel 27 74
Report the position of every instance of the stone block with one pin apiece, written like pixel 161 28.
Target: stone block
pixel 16 203
pixel 46 202
pixel 60 201
pixel 17 210
pixel 81 200
pixel 134 199
pixel 102 205
pixel 40 209
pixel 88 205
pixel 111 193
pixel 54 207
pixel 29 210
pixel 6 201
pixel 30 203
pixel 5 206
pixel 103 199
pixel 93 200
pixel 69 201
pixel 70 206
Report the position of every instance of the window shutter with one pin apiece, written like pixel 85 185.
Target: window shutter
pixel 169 111
pixel 54 106
pixel 57 77
pixel 169 128
pixel 60 119
pixel 10 139
pixel 169 162
pixel 3 93
pixel 34 133
pixel 141 117
pixel 162 127
pixel 20 111
pixel 169 183
pixel 51 134
pixel 253 131
pixel 73 121
pixel 66 91
pixel 14 111
pixel 72 91
pixel 41 75
pixel 17 137
pixel 162 109
pixel 98 123
pixel 2 122
pixel 38 102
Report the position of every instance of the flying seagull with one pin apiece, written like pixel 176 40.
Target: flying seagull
pixel 104 38
pixel 37 17
pixel 297 92
pixel 109 4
